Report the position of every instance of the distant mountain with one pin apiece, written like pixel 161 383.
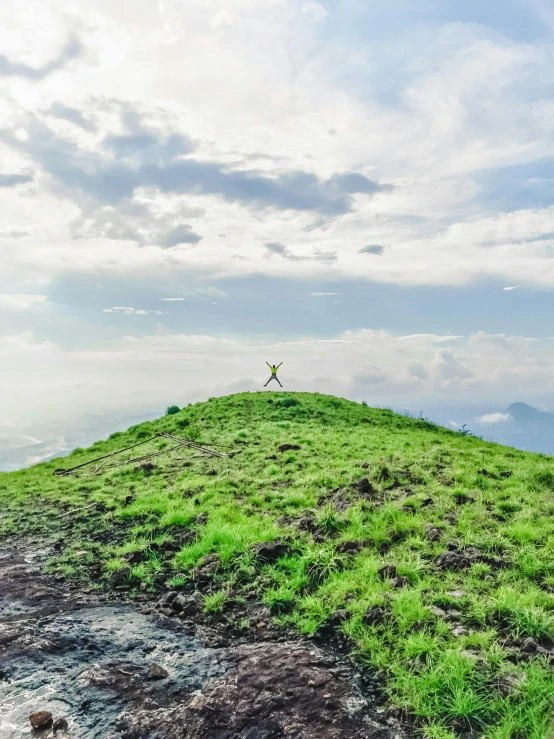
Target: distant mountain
pixel 520 426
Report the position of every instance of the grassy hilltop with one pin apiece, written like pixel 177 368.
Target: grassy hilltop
pixel 432 552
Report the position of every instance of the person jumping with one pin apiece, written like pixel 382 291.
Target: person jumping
pixel 273 369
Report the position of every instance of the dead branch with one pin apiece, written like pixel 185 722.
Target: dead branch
pixel 144 458
pixel 194 445
pixel 76 510
pixel 84 464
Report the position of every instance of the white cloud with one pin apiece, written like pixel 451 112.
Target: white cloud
pixel 494 418
pixel 222 18
pixel 514 287
pixel 132 311
pixel 317 294
pixel 173 299
pixel 438 142
pixel 17 302
pixel 316 11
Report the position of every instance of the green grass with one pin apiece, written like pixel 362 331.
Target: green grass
pixel 423 477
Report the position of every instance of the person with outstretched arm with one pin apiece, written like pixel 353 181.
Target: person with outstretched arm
pixel 273 369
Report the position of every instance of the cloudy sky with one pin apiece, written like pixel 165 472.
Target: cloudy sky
pixel 363 191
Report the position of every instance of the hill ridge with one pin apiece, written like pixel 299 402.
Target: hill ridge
pixel 427 553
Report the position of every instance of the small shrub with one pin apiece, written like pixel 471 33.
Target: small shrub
pixel 172 410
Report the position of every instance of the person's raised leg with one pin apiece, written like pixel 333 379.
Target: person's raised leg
pixel 278 380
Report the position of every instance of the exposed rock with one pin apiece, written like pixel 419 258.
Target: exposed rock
pixel 388 572
pixel 41 720
pixel 174 545
pixel 201 519
pixel 331 627
pixel 433 534
pixel 400 582
pixel 374 615
pixel 475 555
pixel 452 561
pixel 186 605
pixel 120 578
pixel 338 617
pixel 156 672
pixel 459 630
pixel 208 567
pixel 274 692
pixel 135 557
pixel 94 653
pixel 456 593
pixel 453 613
pixel 308 522
pixel 271 551
pixel 529 645
pixel 167 598
pixel 350 547
pixel 289 448
pixel 365 466
pixel 476 656
pixel 61 729
pixel 510 683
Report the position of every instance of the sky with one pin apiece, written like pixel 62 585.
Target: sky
pixel 188 189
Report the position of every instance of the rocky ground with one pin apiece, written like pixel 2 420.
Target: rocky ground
pixel 86 666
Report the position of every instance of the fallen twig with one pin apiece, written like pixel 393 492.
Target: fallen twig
pixel 194 445
pixel 62 472
pixel 76 510
pixel 103 463
pixel 144 458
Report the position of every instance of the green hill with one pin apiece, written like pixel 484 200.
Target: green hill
pixel 431 552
